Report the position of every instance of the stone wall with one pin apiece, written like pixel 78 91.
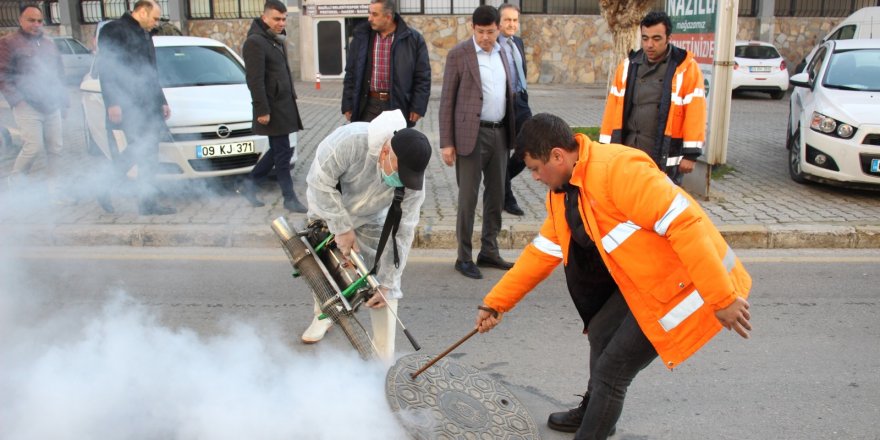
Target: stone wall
pixel 576 49
pixel 233 33
pixel 796 36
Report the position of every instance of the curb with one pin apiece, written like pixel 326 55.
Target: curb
pixel 777 236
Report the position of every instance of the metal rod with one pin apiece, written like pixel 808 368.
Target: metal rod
pixel 359 263
pixel 442 355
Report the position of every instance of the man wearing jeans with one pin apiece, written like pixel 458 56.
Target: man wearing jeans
pixel 679 282
pixel 32 80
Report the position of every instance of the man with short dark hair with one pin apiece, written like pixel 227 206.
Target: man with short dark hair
pixel 276 114
pixel 32 80
pixel 477 123
pixel 674 281
pixel 134 100
pixel 516 63
pixel 657 101
pixel 387 68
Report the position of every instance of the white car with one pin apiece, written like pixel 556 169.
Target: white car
pixel 211 113
pixel 834 125
pixel 758 67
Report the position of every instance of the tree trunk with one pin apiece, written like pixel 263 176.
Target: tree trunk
pixel 623 18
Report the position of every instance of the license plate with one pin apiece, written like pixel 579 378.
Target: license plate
pixel 875 165
pixel 221 150
pixel 759 69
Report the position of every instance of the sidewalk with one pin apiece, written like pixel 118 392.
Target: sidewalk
pixel 756 205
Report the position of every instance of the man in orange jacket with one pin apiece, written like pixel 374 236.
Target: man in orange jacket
pixel 679 282
pixel 657 101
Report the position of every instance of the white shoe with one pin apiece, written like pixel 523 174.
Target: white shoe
pixel 317 329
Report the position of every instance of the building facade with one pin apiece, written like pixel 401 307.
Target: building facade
pixel 567 41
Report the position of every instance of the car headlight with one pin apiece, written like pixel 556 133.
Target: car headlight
pixel 831 126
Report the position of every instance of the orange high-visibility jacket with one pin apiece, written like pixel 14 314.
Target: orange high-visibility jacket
pixel 682 109
pixel 672 265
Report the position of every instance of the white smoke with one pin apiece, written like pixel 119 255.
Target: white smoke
pixel 118 373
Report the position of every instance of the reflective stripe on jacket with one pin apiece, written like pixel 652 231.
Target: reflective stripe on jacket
pixel 672 265
pixel 682 107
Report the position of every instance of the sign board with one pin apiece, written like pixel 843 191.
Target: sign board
pixel 693 29
pixel 345 10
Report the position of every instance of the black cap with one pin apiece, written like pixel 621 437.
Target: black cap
pixel 413 153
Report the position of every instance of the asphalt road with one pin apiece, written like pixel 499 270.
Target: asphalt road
pixel 203 343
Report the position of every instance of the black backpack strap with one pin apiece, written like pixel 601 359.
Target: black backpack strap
pixel 392 224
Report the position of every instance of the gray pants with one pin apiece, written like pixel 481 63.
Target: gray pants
pixel 488 159
pixel 38 130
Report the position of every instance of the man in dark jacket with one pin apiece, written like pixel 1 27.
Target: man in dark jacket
pixel 274 100
pixel 31 79
pixel 134 99
pixel 387 68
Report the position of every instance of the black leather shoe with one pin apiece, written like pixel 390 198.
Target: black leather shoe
pixel 293 205
pixel 513 208
pixel 249 192
pixel 153 208
pixel 496 262
pixel 570 421
pixel 468 269
pixel 106 204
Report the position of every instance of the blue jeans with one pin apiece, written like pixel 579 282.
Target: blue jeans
pixel 618 351
pixel 277 156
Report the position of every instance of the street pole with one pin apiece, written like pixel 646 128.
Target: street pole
pixel 722 70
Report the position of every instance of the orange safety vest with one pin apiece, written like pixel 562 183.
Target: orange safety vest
pixel 671 264
pixel 683 107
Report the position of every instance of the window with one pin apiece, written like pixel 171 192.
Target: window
pixel 756 52
pixel 819 8
pixel 96 11
pixel 9 12
pixel 816 64
pixel 62 46
pixel 78 48
pixel 567 7
pixel 207 9
pixel 187 66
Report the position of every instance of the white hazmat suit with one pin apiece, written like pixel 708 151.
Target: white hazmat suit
pixel 349 157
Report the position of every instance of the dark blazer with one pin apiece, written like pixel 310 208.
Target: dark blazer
pixel 461 100
pixel 268 79
pixel 523 111
pixel 410 71
pixel 127 69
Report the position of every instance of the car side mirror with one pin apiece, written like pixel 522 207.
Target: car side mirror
pixel 801 80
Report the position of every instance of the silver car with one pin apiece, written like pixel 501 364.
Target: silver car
pixel 211 114
pixel 76 57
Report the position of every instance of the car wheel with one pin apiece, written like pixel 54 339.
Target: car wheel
pixel 794 158
pixel 777 95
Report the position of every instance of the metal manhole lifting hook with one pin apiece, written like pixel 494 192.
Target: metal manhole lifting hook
pixel 454 346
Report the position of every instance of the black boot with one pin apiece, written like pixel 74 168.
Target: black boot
pixel 570 421
pixel 247 189
pixel 292 204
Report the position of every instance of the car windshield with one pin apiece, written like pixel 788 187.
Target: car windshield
pixel 854 70
pixel 187 66
pixel 756 52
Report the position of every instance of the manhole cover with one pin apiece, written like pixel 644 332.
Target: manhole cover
pixel 454 401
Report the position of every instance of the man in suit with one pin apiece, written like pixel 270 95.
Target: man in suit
pixel 134 99
pixel 516 64
pixel 477 123
pixel 387 68
pixel 274 102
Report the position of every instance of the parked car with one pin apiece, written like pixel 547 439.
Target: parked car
pixel 75 56
pixel 210 124
pixel 758 67
pixel 864 23
pixel 834 124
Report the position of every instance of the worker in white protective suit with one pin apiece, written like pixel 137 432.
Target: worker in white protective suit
pixel 351 184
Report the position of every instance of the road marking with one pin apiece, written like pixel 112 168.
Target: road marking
pixel 169 254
